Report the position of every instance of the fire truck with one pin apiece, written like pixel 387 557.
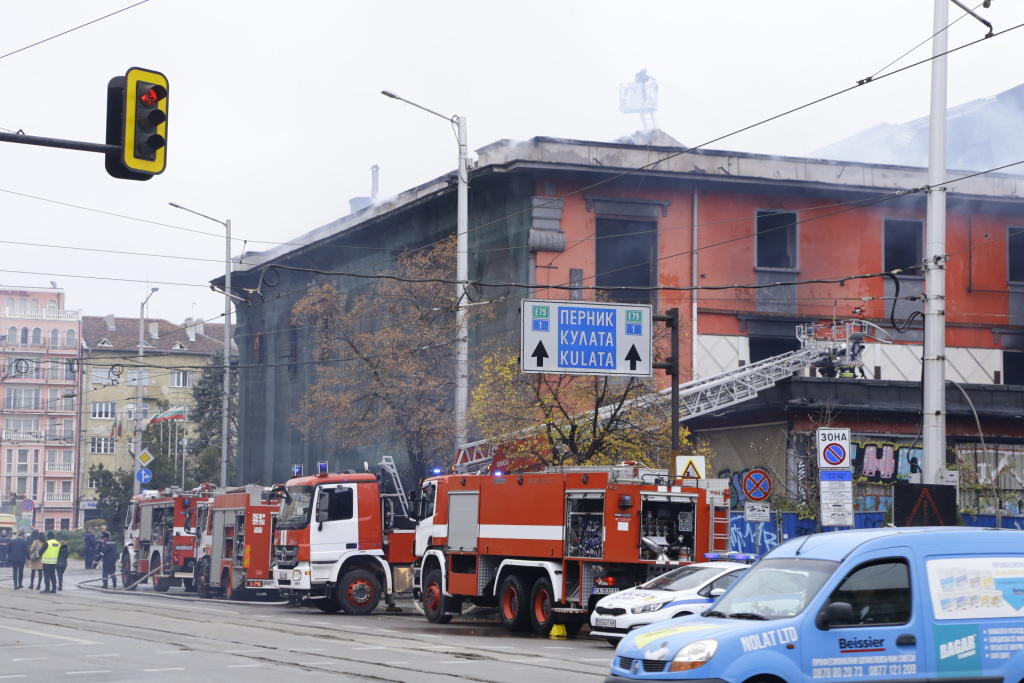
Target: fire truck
pixel 545 546
pixel 157 545
pixel 233 540
pixel 344 540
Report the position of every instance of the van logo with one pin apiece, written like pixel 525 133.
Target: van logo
pixel 959 648
pixel 862 644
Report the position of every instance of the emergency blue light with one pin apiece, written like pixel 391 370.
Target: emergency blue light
pixel 436 470
pixel 712 556
pixel 296 470
pixel 321 468
pixel 498 473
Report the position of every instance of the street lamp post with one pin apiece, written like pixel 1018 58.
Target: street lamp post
pixel 462 274
pixel 136 484
pixel 226 400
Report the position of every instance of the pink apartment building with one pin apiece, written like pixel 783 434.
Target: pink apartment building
pixel 39 365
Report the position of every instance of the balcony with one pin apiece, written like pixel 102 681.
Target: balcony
pixel 60 467
pixel 58 497
pixel 39 314
pixel 16 436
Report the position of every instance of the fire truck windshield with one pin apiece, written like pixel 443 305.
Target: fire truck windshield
pixel 295 512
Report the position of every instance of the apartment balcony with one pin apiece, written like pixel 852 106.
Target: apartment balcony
pixel 58 498
pixel 59 468
pixel 39 314
pixel 10 436
pixel 45 346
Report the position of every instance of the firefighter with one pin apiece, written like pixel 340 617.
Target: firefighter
pixel 50 554
pixel 5 540
pixel 108 551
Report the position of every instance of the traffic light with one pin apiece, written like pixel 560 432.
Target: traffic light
pixel 137 123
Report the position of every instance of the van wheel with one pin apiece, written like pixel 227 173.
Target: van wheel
pixel 513 604
pixel 358 592
pixel 435 601
pixel 541 602
pixel 613 641
pixel 161 584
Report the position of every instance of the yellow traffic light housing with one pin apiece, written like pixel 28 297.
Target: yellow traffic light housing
pixel 137 123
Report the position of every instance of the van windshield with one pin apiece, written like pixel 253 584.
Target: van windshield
pixel 774 589
pixel 296 510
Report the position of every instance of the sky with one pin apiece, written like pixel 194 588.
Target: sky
pixel 276 115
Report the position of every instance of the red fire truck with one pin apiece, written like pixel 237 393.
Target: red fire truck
pixel 545 546
pixel 342 542
pixel 234 538
pixel 157 546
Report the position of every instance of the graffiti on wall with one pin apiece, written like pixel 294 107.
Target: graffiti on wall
pixel 884 463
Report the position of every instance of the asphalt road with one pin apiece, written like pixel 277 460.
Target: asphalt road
pixel 86 634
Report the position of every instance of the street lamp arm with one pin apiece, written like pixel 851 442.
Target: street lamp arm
pixel 184 208
pixel 388 93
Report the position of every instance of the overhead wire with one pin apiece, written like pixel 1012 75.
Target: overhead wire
pixel 71 30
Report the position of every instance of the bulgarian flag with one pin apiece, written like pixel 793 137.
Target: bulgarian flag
pixel 177 413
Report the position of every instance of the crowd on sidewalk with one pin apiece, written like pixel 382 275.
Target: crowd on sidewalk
pixel 47 558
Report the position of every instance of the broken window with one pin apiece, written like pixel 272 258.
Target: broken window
pixel 625 256
pixel 904 245
pixel 777 239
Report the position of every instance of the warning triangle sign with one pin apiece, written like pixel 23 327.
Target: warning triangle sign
pixel 691 471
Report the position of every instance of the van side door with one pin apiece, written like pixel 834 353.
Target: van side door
pixel 866 625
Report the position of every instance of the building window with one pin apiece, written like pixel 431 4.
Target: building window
pixel 37 336
pixel 103 375
pixel 777 239
pixel 626 256
pixel 65 524
pixel 54 339
pixel 130 411
pixel 22 398
pixel 69 339
pixel 903 245
pixel 133 377
pixel 182 378
pixel 69 402
pixel 1015 254
pixel 22 461
pixel 69 430
pixel 105 410
pixel 24 368
pixel 101 445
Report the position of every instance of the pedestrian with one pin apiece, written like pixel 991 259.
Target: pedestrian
pixel 50 554
pixel 90 549
pixel 5 541
pixel 17 555
pixel 36 547
pixel 108 551
pixel 62 563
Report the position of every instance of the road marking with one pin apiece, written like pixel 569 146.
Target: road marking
pixel 386 630
pixel 48 635
pixel 75 673
pixel 14 676
pixel 425 635
pixel 318 623
pixel 29 659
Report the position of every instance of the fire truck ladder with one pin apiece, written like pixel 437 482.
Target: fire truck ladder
pixel 387 464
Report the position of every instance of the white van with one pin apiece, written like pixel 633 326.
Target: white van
pixel 911 604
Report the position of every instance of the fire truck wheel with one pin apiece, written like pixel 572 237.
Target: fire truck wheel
pixel 226 587
pixel 161 584
pixel 514 604
pixel 188 585
pixel 434 599
pixel 541 602
pixel 358 592
pixel 127 578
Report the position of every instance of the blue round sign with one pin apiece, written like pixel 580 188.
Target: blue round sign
pixel 144 476
pixel 27 505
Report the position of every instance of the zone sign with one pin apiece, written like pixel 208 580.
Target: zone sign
pixel 834 449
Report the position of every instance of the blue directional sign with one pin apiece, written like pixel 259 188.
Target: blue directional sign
pixel 144 476
pixel 586 338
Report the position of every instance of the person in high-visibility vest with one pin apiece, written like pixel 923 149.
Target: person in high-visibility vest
pixel 50 555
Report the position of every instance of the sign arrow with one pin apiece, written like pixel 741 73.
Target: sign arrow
pixel 633 357
pixel 540 353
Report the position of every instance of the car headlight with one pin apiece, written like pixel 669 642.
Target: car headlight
pixel 694 655
pixel 296 576
pixel 652 607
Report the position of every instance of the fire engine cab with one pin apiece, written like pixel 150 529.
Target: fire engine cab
pixel 545 546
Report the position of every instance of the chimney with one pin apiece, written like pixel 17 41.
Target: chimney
pixel 109 320
pixel 190 329
pixel 375 169
pixel 154 330
pixel 199 326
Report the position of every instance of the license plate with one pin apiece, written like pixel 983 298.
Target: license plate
pixel 606 623
pixel 605 590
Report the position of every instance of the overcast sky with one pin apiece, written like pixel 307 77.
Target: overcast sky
pixel 276 114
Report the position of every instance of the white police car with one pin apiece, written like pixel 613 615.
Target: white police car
pixel 686 590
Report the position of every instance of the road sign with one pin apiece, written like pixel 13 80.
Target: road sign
pixel 833 448
pixel 27 505
pixel 690 466
pixel 757 485
pixel 757 512
pixel 144 476
pixel 836 495
pixel 145 457
pixel 586 338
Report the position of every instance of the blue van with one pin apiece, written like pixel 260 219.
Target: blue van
pixel 911 604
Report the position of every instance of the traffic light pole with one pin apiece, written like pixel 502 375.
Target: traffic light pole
pixel 59 144
pixel 671 368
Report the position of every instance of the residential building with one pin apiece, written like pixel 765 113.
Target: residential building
pixel 39 366
pixel 173 357
pixel 746 246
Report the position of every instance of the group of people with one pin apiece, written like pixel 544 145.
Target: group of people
pixel 47 559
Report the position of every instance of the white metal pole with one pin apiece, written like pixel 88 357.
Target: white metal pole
pixel 934 359
pixel 136 465
pixel 225 437
pixel 462 266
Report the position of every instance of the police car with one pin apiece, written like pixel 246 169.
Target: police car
pixel 894 604
pixel 682 591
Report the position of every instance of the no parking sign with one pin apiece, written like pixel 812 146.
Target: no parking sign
pixel 834 449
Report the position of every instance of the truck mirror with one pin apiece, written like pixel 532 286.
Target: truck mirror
pixel 188 521
pixel 835 614
pixel 323 506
